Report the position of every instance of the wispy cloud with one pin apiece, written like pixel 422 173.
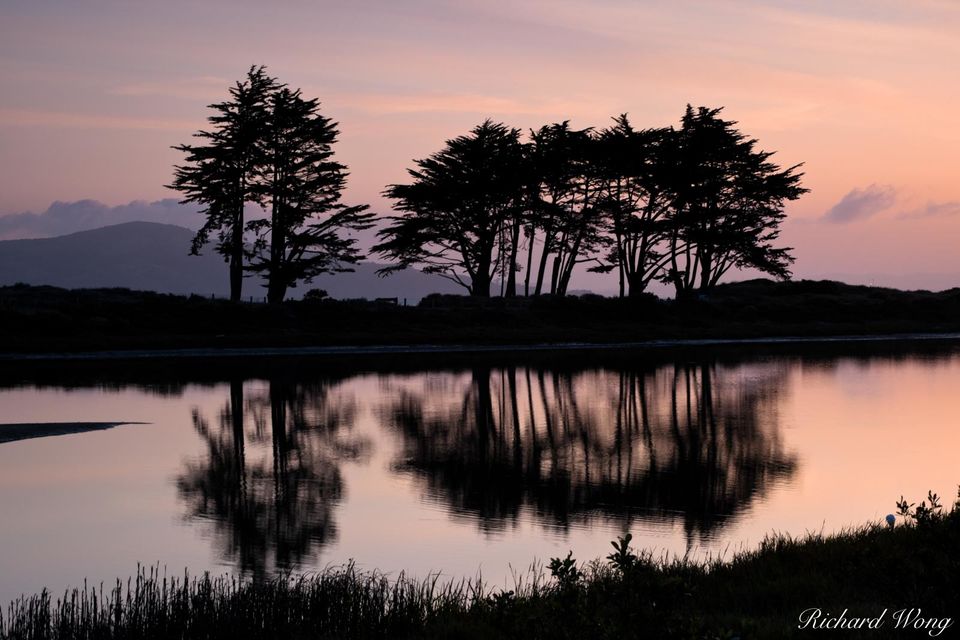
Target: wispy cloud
pixel 60 119
pixel 200 87
pixel 860 204
pixel 933 210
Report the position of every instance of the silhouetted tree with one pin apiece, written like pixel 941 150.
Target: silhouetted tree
pixel 271 147
pixel 301 182
pixel 726 204
pixel 459 213
pixel 218 174
pixel 565 164
pixel 634 166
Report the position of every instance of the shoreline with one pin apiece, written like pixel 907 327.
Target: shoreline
pixel 631 594
pixel 18 431
pixel 453 349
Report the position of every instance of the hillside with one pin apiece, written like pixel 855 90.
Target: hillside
pixel 148 256
pixel 134 255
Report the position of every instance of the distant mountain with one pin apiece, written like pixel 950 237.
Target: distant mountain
pixel 155 257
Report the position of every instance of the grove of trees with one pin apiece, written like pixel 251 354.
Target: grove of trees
pixel 495 211
pixel 680 205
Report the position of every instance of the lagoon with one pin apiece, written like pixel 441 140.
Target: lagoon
pixel 464 466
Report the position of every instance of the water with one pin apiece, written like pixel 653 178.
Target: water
pixel 464 468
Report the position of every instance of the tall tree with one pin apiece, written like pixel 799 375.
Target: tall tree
pixel 635 169
pixel 726 205
pixel 307 232
pixel 218 174
pixel 565 163
pixel 457 214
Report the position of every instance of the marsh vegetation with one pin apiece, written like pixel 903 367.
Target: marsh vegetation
pixel 759 593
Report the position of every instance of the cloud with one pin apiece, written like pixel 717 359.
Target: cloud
pixel 62 218
pixel 195 88
pixel 933 209
pixel 860 204
pixel 61 119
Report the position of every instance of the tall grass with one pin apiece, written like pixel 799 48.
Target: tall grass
pixel 336 603
pixel 758 593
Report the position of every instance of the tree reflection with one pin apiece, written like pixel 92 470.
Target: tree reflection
pixel 692 443
pixel 270 481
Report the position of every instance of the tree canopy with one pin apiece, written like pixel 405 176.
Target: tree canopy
pixel 457 208
pixel 219 174
pixel 680 205
pixel 271 148
pixel 726 204
pixel 302 183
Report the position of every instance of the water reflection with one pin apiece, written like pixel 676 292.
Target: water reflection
pixel 269 480
pixel 695 443
pixel 729 444
pixel 688 443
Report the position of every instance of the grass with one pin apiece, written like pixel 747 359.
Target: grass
pixel 754 594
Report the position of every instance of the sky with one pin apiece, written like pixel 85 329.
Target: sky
pixel 863 93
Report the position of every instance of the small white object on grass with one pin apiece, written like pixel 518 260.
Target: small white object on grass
pixel 891 520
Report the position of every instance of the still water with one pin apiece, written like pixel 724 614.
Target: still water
pixel 464 469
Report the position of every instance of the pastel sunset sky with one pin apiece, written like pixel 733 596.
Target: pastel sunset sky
pixel 864 93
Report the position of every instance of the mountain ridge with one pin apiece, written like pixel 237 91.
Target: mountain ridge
pixel 153 256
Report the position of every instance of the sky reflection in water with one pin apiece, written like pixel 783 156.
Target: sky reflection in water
pixel 479 468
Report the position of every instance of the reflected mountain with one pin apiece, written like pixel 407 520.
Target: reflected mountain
pixel 270 480
pixel 695 443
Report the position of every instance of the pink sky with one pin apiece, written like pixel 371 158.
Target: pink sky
pixel 863 92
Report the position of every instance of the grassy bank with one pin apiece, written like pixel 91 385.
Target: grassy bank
pixel 756 594
pixel 36 319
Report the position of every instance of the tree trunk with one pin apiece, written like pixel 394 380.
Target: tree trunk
pixel 544 256
pixel 512 263
pixel 620 269
pixel 706 264
pixel 236 276
pixel 236 257
pixel 555 275
pixel 564 282
pixel 480 284
pixel 526 276
pixel 276 280
pixel 636 285
pixel 276 289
